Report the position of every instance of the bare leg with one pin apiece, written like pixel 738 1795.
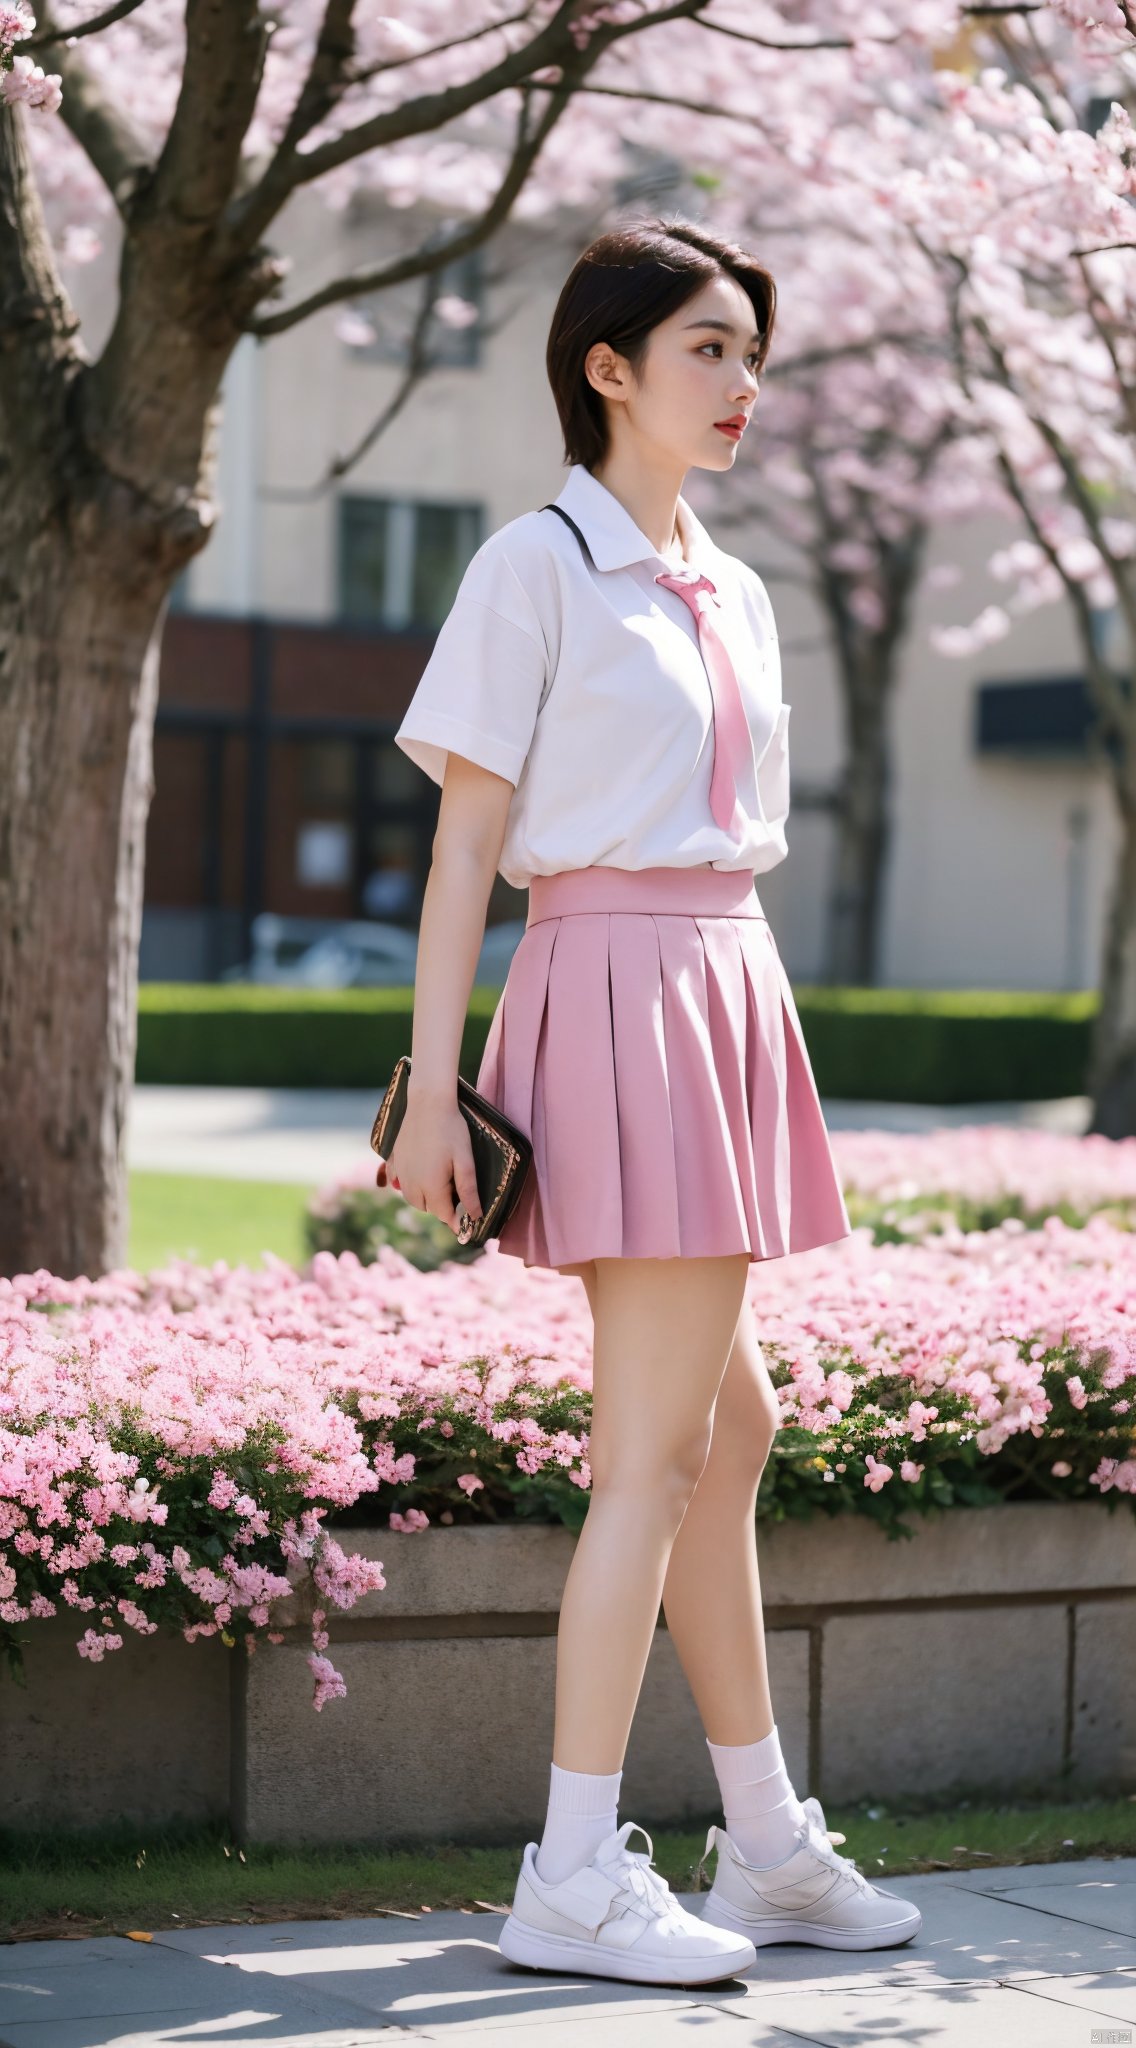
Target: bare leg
pixel 663 1331
pixel 712 1591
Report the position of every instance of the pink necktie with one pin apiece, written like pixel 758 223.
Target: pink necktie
pixel 733 745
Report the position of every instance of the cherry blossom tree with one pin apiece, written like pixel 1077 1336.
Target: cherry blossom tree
pixel 1028 212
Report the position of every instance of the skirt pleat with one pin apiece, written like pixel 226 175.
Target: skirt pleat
pixel 656 1059
pixel 730 1013
pixel 575 1083
pixel 703 1165
pixel 646 1130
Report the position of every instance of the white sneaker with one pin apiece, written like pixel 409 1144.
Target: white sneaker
pixel 811 1895
pixel 617 1918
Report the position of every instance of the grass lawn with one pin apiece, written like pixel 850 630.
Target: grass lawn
pixel 140 1881
pixel 191 1216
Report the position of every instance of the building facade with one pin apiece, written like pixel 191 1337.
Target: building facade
pixel 295 640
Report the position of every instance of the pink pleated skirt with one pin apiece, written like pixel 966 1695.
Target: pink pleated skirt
pixel 647 1041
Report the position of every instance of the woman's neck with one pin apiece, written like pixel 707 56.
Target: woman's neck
pixel 644 497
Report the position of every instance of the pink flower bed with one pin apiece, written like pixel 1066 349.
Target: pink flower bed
pixel 172 1445
pixel 904 1184
pixel 910 1175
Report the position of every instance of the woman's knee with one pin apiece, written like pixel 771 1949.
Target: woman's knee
pixel 659 1475
pixel 663 1332
pixel 748 1411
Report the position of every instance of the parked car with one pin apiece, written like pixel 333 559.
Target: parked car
pixel 300 952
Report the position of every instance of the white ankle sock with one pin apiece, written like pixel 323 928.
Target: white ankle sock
pixel 583 1807
pixel 761 1808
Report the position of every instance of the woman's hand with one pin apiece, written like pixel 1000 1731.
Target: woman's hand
pixel 432 1156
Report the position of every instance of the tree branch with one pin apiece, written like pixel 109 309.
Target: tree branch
pixel 103 132
pixel 553 46
pixel 225 45
pixel 1075 484
pixel 1103 321
pixel 417 366
pixel 741 35
pixel 817 358
pixel 435 251
pixel 179 309
pixel 342 466
pixel 363 73
pixel 39 350
pixel 327 79
pixel 714 108
pixel 45 39
pixel 1104 686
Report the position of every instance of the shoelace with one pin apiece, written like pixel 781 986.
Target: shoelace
pixel 818 1841
pixel 633 1867
pixel 815 1834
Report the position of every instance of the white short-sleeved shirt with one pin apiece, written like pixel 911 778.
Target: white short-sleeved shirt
pixel 583 683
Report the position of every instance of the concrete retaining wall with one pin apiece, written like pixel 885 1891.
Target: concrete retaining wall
pixel 995 1651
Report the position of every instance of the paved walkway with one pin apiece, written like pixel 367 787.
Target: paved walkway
pixel 312 1135
pixel 1037 1957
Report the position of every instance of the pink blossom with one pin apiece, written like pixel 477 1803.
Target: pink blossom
pixel 329 1683
pixel 95 1646
pixel 16 22
pixel 1116 1472
pixel 410 1521
pixel 26 81
pixel 839 1389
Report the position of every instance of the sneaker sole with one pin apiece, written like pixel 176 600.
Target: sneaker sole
pixel 763 1933
pixel 539 1950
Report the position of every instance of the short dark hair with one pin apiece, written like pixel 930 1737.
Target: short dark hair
pixel 621 286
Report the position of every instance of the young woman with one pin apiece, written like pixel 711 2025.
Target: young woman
pixel 603 710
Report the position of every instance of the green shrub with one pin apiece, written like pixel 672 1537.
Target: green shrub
pixel 884 1045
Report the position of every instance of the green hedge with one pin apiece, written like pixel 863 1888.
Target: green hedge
pixel 887 1045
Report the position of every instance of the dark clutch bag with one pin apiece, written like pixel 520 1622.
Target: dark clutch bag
pixel 502 1155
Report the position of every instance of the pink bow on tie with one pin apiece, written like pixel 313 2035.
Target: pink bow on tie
pixel 733 744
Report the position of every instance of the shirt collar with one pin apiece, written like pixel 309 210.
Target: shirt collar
pixel 611 533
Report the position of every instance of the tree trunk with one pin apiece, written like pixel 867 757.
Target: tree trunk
pixel 79 644
pixel 867 657
pixel 106 475
pixel 863 824
pixel 1112 1055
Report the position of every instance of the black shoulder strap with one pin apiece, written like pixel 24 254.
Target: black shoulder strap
pixel 573 525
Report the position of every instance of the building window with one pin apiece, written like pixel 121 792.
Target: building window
pixel 400 561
